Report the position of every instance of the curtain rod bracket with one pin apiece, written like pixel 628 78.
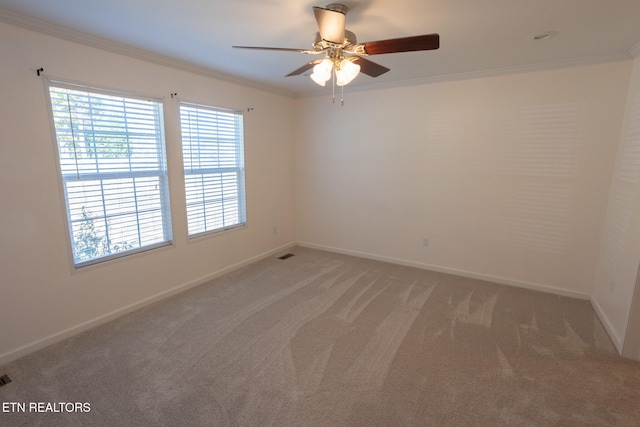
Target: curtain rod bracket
pixel 39 70
pixel 174 94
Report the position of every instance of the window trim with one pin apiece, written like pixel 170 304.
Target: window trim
pixel 166 198
pixel 243 187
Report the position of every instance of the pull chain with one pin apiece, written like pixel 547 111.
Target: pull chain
pixel 333 82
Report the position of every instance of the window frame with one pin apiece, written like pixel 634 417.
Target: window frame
pixel 240 170
pixel 164 191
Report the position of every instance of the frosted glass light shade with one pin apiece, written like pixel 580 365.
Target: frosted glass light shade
pixel 322 71
pixel 347 72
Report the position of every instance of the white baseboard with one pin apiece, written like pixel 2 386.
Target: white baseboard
pixel 454 271
pixel 67 333
pixel 60 336
pixel 608 326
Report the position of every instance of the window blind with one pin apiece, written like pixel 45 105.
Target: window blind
pixel 213 155
pixel 113 165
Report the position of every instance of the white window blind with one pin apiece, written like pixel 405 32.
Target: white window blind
pixel 113 164
pixel 213 154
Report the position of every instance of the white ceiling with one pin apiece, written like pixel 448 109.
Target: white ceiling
pixel 476 36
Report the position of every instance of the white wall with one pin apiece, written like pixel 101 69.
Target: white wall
pixel 506 176
pixel 41 299
pixel 617 268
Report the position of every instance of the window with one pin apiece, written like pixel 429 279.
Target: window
pixel 113 165
pixel 213 155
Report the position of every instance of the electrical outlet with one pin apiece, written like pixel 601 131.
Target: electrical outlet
pixel 425 242
pixel 612 286
pixel 275 230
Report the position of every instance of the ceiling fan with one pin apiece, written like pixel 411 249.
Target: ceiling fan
pixel 344 57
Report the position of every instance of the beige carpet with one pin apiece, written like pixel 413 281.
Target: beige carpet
pixel 322 339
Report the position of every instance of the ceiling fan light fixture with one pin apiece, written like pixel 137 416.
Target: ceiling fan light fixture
pixel 346 72
pixel 344 56
pixel 322 71
pixel 317 79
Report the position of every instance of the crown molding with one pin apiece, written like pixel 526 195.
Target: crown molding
pixel 45 27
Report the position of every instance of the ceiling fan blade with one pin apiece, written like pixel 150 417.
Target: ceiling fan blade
pixel 370 68
pixel 331 24
pixel 284 49
pixel 306 67
pixel 403 44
